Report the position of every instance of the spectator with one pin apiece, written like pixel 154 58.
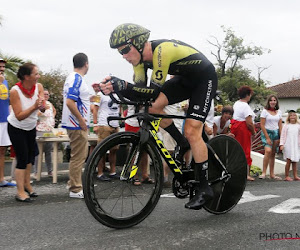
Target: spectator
pixel 46 122
pixel 242 123
pixel 26 97
pixel 222 122
pixel 290 144
pixel 271 124
pixel 4 137
pixel 103 109
pixel 75 118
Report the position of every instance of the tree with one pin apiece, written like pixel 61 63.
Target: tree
pixel 232 50
pixel 259 72
pixel 240 77
pixel 11 68
pixel 231 74
pixel 54 82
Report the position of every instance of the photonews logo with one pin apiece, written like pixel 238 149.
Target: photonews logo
pixel 279 236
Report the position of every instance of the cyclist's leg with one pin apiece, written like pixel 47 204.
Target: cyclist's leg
pixel 193 132
pixel 173 91
pixel 199 107
pixel 158 108
pixel 168 124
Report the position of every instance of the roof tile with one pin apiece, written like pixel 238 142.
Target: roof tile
pixel 288 89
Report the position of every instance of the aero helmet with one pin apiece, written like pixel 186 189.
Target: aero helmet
pixel 129 33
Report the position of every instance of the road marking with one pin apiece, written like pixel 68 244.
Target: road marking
pixel 290 206
pixel 248 197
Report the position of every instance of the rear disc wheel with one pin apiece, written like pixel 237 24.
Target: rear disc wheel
pixel 227 193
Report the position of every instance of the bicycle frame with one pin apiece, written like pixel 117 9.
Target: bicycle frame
pixel 151 126
pixel 162 150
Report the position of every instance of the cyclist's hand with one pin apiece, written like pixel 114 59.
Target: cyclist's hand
pixel 105 86
pixel 112 84
pixel 118 84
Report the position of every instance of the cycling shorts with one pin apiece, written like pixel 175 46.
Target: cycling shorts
pixel 199 89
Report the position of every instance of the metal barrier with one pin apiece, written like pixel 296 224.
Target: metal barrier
pixel 257 143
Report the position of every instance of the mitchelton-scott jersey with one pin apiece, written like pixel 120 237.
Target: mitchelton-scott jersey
pixel 169 57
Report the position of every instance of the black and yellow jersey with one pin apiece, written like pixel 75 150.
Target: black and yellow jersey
pixel 169 57
pixel 172 57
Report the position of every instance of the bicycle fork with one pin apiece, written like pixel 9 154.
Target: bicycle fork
pixel 132 160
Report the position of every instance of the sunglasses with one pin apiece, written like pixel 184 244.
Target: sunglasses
pixel 125 50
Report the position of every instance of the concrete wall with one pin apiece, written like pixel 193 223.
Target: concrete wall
pixel 257 160
pixel 286 104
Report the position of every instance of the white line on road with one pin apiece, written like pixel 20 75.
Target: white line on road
pixel 290 206
pixel 248 197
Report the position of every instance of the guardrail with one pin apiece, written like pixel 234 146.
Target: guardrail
pixel 257 143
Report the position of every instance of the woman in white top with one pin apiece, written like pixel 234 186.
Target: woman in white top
pixel 271 125
pixel 242 125
pixel 26 97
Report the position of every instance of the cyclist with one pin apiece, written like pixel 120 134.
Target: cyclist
pixel 195 79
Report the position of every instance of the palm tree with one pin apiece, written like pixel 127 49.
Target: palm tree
pixel 12 65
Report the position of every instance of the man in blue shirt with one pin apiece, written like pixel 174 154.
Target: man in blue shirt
pixel 4 107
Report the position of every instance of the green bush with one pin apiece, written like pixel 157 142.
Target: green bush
pixel 255 171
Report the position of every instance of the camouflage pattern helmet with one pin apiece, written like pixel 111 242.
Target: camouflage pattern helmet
pixel 129 33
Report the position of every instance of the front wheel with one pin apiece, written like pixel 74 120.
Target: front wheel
pixel 228 191
pixel 121 203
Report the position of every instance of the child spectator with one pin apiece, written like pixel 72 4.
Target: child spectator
pixel 290 144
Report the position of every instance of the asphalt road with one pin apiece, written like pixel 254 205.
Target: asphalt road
pixel 267 216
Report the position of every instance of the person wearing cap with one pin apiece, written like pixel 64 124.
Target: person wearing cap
pixel 194 78
pixel 4 137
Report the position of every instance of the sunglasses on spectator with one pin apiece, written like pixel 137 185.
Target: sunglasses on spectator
pixel 125 50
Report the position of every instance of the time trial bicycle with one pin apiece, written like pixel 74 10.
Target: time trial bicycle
pixel 121 204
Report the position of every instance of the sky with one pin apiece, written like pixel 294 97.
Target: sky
pixel 51 32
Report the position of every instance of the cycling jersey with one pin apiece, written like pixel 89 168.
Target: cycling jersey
pixel 174 58
pixel 196 77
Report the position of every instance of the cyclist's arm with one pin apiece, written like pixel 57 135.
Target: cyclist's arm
pixel 162 57
pixel 141 92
